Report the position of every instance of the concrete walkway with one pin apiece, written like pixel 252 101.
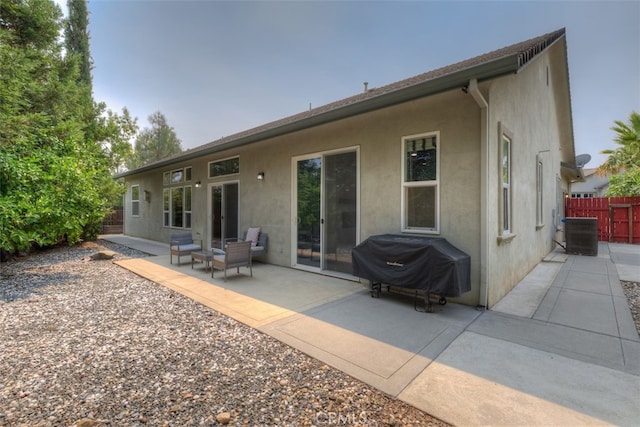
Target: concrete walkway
pixel 560 349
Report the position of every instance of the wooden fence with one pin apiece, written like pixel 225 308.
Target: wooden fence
pixel 114 222
pixel 618 217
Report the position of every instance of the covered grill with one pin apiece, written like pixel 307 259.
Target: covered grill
pixel 428 264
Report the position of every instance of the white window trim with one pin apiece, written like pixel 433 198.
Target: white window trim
pixel 405 185
pixel 135 201
pixel 184 211
pixel 166 224
pixel 222 160
pixel 539 192
pixel 505 235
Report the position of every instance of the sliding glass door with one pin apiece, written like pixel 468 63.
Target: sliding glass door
pixel 224 213
pixel 326 201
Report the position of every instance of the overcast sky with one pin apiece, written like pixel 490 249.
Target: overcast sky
pixel 216 68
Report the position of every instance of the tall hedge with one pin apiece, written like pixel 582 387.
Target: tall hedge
pixel 55 182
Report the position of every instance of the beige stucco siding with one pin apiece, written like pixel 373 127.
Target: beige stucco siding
pixel 525 105
pixel 377 136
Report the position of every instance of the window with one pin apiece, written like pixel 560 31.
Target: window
pixel 177 207
pixel 176 198
pixel 505 171
pixel 420 184
pixel 187 207
pixel 539 198
pixel 166 210
pixel 224 167
pixel 135 200
pixel 582 195
pixel 176 176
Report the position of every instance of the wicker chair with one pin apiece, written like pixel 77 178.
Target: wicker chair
pixel 236 254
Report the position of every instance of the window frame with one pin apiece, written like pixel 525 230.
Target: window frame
pixel 539 192
pixel 407 186
pixel 135 202
pixel 226 159
pixel 505 199
pixel 174 180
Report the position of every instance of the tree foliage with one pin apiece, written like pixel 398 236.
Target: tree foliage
pixel 627 154
pixel 623 163
pixel 626 184
pixel 155 143
pixel 55 180
pixel 120 129
pixel 77 39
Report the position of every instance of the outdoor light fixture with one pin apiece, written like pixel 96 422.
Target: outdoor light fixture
pixel 260 176
pixel 147 196
pixel 198 184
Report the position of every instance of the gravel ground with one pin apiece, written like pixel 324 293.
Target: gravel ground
pixel 632 291
pixel 87 343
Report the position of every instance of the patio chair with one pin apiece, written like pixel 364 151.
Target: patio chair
pixel 259 241
pixel 236 254
pixel 182 244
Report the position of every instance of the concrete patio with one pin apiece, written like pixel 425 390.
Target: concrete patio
pixel 560 349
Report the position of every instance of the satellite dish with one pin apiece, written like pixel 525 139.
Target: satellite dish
pixel 582 160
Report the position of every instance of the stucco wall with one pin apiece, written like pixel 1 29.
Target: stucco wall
pixel 526 105
pixel 377 136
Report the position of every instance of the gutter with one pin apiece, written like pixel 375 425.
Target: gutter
pixel 484 191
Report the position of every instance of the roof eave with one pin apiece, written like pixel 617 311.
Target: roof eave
pixel 458 79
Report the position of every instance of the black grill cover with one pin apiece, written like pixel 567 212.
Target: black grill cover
pixel 430 264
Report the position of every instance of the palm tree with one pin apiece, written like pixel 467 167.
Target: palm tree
pixel 627 155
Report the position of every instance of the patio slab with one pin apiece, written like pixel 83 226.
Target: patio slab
pixel 479 381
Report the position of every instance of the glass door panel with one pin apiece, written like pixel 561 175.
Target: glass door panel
pixel 340 203
pixel 326 211
pixel 230 211
pixel 224 213
pixel 216 216
pixel 309 175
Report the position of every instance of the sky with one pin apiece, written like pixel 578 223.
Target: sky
pixel 216 68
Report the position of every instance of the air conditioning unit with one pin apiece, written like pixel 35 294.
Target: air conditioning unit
pixel 581 235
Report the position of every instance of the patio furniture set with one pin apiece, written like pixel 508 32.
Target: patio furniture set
pixel 235 254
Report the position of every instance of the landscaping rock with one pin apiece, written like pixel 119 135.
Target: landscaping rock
pixel 223 417
pixel 96 343
pixel 103 255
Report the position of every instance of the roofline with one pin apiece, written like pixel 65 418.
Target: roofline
pixel 490 69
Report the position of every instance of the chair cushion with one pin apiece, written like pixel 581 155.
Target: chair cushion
pixel 188 247
pixel 253 234
pixel 257 248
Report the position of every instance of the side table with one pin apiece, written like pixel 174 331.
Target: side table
pixel 202 256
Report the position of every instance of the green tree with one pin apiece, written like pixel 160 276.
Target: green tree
pixel 625 185
pixel 627 155
pixel 55 182
pixel 77 39
pixel 120 130
pixel 155 143
pixel 623 163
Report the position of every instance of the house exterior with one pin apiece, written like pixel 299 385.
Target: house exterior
pixel 480 152
pixel 594 185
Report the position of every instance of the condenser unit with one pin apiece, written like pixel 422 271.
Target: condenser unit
pixel 581 235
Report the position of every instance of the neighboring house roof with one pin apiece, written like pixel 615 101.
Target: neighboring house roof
pixel 508 60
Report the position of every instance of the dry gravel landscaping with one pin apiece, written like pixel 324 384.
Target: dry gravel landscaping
pixel 87 343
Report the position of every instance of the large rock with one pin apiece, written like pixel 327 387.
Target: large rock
pixel 103 255
pixel 223 417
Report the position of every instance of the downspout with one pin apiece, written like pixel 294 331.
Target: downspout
pixel 484 192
